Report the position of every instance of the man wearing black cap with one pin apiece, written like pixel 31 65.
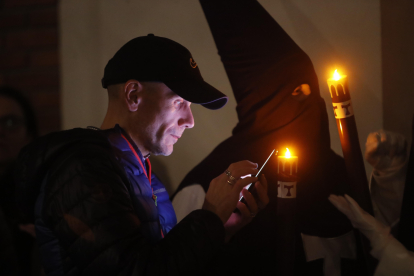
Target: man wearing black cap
pixel 98 208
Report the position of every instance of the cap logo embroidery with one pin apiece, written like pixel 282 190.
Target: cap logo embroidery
pixel 193 63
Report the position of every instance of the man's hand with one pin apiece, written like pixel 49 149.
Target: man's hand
pixel 247 213
pixel 374 230
pixel 385 150
pixel 222 196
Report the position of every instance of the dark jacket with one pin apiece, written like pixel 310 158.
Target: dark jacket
pixel 8 259
pixel 21 242
pixel 150 199
pixel 86 220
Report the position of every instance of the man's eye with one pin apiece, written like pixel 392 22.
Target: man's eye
pixel 178 103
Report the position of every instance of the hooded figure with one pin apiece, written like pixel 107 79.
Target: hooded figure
pixel 278 106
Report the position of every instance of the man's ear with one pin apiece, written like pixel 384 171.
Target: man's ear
pixel 132 94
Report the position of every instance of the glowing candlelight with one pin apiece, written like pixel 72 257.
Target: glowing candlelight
pixel 336 75
pixel 287 161
pixel 287 154
pixel 341 100
pixel 287 170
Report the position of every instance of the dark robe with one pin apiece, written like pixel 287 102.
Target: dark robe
pixel 264 66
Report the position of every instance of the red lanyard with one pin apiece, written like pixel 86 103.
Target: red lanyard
pixel 142 166
pixel 154 197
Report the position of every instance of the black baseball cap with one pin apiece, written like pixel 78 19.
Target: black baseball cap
pixel 154 58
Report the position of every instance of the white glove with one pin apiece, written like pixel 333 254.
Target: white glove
pixel 377 233
pixel 386 151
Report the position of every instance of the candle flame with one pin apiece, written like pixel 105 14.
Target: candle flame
pixel 336 75
pixel 287 154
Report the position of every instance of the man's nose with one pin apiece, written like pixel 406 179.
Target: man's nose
pixel 187 120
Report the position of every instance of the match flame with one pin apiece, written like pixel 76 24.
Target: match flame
pixel 336 75
pixel 287 154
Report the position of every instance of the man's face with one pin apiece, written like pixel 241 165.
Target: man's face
pixel 161 118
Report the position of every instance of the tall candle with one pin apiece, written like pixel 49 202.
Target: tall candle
pixel 348 133
pixel 287 173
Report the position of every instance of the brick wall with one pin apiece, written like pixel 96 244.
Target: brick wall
pixel 29 55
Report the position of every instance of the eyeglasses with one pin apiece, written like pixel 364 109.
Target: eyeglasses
pixel 11 122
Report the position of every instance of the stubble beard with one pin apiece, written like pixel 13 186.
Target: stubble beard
pixel 156 144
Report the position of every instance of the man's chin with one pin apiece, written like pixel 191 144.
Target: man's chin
pixel 164 151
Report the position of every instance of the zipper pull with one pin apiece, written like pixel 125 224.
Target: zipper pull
pixel 154 197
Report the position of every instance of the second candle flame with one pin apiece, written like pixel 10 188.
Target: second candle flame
pixel 336 75
pixel 287 154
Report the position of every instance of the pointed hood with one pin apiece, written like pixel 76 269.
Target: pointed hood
pixel 264 66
